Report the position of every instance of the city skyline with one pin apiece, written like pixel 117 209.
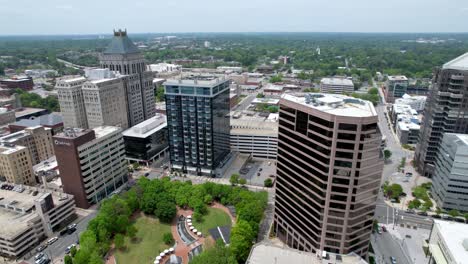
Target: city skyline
pixel 258 16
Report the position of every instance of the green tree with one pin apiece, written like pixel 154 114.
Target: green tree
pixel 242 237
pixel 234 179
pixel 67 259
pixel 414 204
pixel 219 254
pixel 131 232
pixel 268 183
pixel 168 239
pixel 466 217
pixel 453 213
pixel 276 78
pixel 373 91
pixel 73 252
pixel 94 258
pixel 394 191
pixel 136 166
pixel 242 181
pixel 119 241
pixel 387 154
pixel 273 109
pixel 438 211
pixel 165 211
pixel 160 94
pixel 260 95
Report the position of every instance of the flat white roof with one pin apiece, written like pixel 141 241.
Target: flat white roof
pixel 397 78
pixel 147 127
pixel 405 126
pixel 459 63
pixel 453 235
pixel 463 138
pixel 335 104
pixel 105 130
pixel 337 81
pixel 265 101
pixel 273 87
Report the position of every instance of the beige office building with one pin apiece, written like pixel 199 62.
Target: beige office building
pixel 16 165
pixel 29 215
pixel 72 107
pixel 328 173
pixel 105 103
pixel 37 139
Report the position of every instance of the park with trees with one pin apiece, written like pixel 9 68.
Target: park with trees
pixel 137 223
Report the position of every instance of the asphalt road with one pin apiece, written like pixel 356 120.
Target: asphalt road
pixel 57 250
pixel 245 102
pixel 386 246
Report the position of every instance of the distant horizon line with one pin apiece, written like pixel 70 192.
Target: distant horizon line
pixel 231 32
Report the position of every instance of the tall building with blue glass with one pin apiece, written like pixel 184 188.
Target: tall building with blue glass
pixel 198 124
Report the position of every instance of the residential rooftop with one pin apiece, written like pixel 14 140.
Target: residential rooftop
pixel 273 87
pixel 6 150
pixel 337 81
pixel 105 130
pixel 459 63
pixel 335 104
pixel 147 127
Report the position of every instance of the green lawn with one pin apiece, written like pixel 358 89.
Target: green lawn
pixel 149 243
pixel 215 217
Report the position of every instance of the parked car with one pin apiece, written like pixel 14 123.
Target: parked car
pixel 39 256
pixel 409 174
pixel 63 231
pixel 422 213
pixel 72 226
pixel 393 260
pixel 410 211
pixel 71 230
pixel 147 174
pixel 52 240
pixel 68 249
pixel 436 216
pixel 41 248
pixel 384 229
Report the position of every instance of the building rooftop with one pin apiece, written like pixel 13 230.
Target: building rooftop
pixel 205 82
pixel 44 120
pixel 28 111
pixel 462 137
pixel 270 101
pixel 397 78
pixel 273 87
pixel 265 253
pixel 337 81
pixel 5 150
pixel 459 63
pixel 105 130
pixel 454 235
pixel 147 127
pixel 335 104
pixel 121 44
pixel 408 125
pixel 17 204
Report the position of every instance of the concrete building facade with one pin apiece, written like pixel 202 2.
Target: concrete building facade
pixel 123 56
pixel 72 107
pixel 336 85
pixel 105 103
pixel 91 162
pixel 257 137
pixel 448 243
pixel 37 139
pixel 450 179
pixel 329 170
pixel 446 111
pixel 27 216
pixel 16 165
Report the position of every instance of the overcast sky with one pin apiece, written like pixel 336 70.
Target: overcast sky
pixel 101 16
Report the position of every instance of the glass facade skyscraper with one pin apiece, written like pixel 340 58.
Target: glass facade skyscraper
pixel 198 124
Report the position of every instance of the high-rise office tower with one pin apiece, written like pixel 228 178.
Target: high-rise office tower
pixel 446 111
pixel 105 103
pixel 123 56
pixel 91 162
pixel 450 180
pixel 328 173
pixel 198 124
pixel 70 97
